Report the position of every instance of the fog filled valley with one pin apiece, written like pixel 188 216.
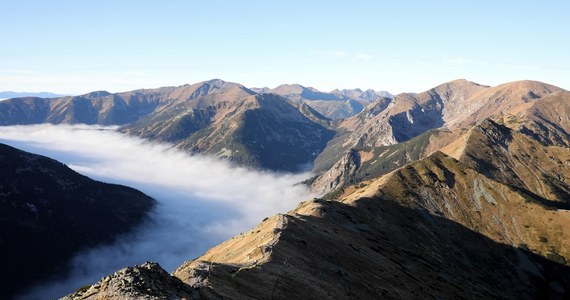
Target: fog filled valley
pixel 201 200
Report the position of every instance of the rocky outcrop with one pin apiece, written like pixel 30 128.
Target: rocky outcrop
pixel 147 281
pixel 339 175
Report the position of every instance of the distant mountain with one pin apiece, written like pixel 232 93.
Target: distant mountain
pixel 365 96
pixel 216 117
pixel 337 104
pixel 8 95
pixel 259 130
pixel 48 212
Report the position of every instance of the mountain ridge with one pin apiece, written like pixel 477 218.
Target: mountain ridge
pixel 413 119
pixel 192 117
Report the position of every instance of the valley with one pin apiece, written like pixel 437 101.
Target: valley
pixel 461 191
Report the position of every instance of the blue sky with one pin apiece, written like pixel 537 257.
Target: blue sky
pixel 80 46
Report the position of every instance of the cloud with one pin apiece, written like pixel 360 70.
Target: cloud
pixel 202 201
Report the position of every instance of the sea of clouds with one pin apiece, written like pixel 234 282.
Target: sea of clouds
pixel 202 200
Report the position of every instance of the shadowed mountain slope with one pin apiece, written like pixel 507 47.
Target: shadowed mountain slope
pixel 49 212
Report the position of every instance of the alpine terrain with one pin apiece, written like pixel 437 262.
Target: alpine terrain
pixel 462 191
pixel 224 119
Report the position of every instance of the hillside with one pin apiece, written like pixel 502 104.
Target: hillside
pixel 385 137
pixel 49 212
pixel 214 117
pixel 436 228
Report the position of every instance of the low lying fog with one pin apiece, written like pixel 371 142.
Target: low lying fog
pixel 202 201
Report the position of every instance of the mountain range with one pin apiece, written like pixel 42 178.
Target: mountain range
pixel 461 191
pixel 220 118
pixel 9 94
pixel 337 104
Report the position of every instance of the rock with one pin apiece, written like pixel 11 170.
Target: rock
pixel 145 281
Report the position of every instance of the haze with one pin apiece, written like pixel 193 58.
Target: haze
pixel 202 201
pixel 74 47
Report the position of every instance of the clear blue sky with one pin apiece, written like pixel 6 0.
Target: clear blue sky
pixel 78 46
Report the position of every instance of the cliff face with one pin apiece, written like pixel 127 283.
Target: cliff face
pixel 49 212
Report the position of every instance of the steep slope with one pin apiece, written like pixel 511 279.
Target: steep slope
pixel 433 229
pixel 547 120
pixel 262 131
pixel 48 212
pixel 408 115
pixel 365 163
pixel 449 109
pixel 481 224
pixel 116 109
pixel 519 161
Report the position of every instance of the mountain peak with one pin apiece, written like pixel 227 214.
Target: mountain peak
pixel 529 85
pixel 286 89
pixel 97 94
pixel 217 82
pixel 458 84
